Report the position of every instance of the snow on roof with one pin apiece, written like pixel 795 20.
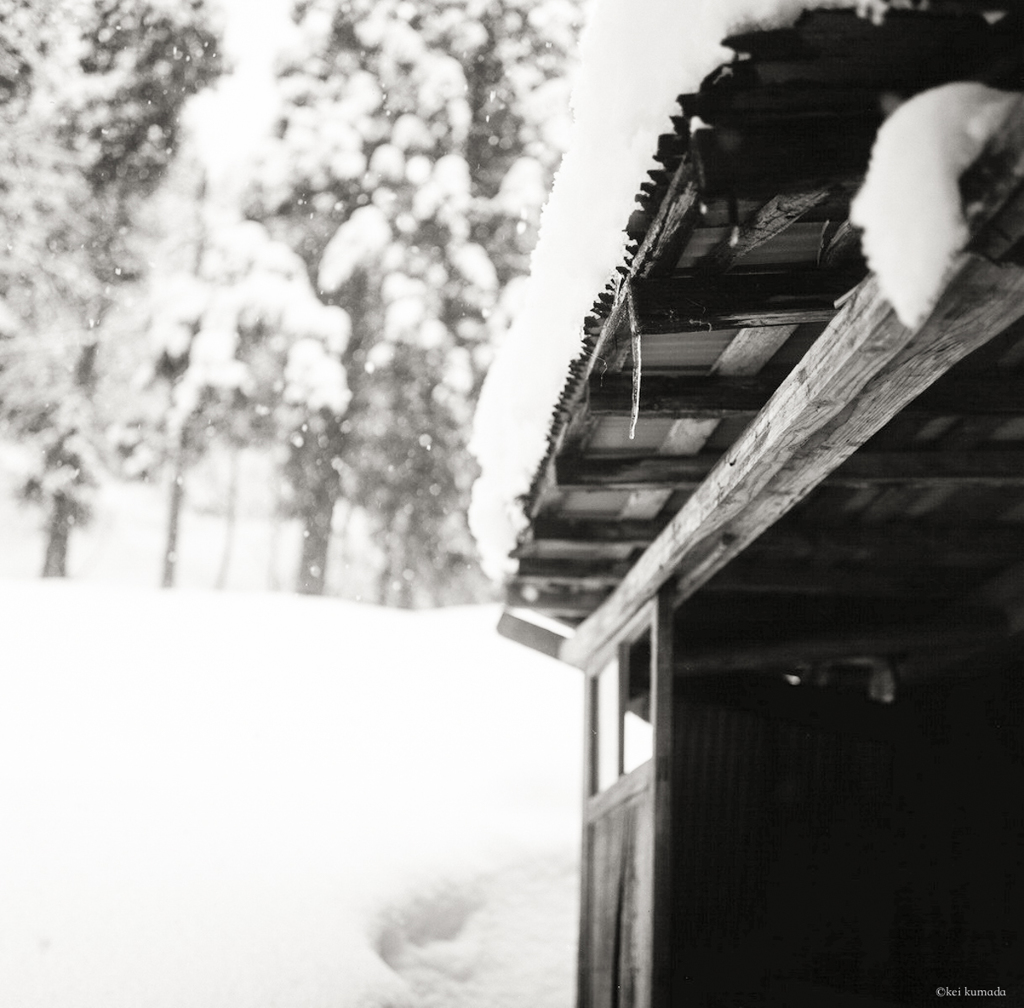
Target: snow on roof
pixel 637 56
pixel 909 205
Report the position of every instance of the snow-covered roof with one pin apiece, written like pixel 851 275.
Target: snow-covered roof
pixel 637 56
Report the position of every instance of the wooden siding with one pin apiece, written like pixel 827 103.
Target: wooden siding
pixel 830 851
pixel 616 937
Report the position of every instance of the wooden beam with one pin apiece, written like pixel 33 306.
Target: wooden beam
pixel 864 469
pixel 932 468
pixel 663 718
pixel 862 372
pixel 772 219
pixel 871 641
pixel 591 573
pixel 786 154
pixel 693 303
pixel 558 601
pixel 677 216
pixel 678 397
pixel 530 634
pixel 910 543
pixel 756 576
pixel 670 396
pixel 672 472
pixel 894 544
pixel 576 530
pixel 750 349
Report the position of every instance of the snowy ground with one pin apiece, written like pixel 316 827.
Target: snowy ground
pixel 255 800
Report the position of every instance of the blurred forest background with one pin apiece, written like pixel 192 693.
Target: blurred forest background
pixel 257 368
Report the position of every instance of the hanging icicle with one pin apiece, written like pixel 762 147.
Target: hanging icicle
pixel 634 333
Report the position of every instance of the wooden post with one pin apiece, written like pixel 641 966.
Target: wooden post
pixel 583 998
pixel 663 951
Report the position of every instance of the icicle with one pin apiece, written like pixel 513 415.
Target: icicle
pixel 634 334
pixel 634 412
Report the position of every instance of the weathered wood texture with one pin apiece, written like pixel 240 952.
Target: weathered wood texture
pixel 664 786
pixel 617 934
pixel 787 155
pixel 558 601
pixel 992 468
pixel 530 635
pixel 815 840
pixel 735 300
pixel 900 542
pixel 771 220
pixel 686 396
pixel 863 370
pixel 960 630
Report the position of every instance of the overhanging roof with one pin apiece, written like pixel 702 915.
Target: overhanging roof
pixel 801 468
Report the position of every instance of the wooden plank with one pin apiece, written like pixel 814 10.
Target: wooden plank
pixel 663 951
pixel 644 504
pixel 678 396
pixel 668 396
pixel 626 788
pixel 638 533
pixel 623 472
pixel 956 545
pixel 1007 592
pixel 558 601
pixel 895 543
pixel 530 635
pixel 876 641
pixel 787 154
pixel 677 216
pixel 587 853
pixel 750 350
pixel 991 468
pixel 863 371
pixel 738 300
pixel 982 468
pixel 772 219
pixel 593 573
pixel 757 576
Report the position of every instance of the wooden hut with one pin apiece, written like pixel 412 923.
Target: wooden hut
pixel 797 591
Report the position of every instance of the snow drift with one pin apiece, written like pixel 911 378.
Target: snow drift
pixel 256 800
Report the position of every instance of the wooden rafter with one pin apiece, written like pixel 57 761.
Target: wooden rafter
pixel 697 303
pixel 892 543
pixel 679 396
pixel 864 370
pixel 870 641
pixel 771 220
pixel 753 574
pixel 865 469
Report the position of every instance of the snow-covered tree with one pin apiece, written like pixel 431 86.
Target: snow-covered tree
pixel 414 150
pixel 247 352
pixel 89 115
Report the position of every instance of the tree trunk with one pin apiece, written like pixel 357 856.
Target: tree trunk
pixel 58 531
pixel 229 522
pixel 396 589
pixel 316 537
pixel 174 522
